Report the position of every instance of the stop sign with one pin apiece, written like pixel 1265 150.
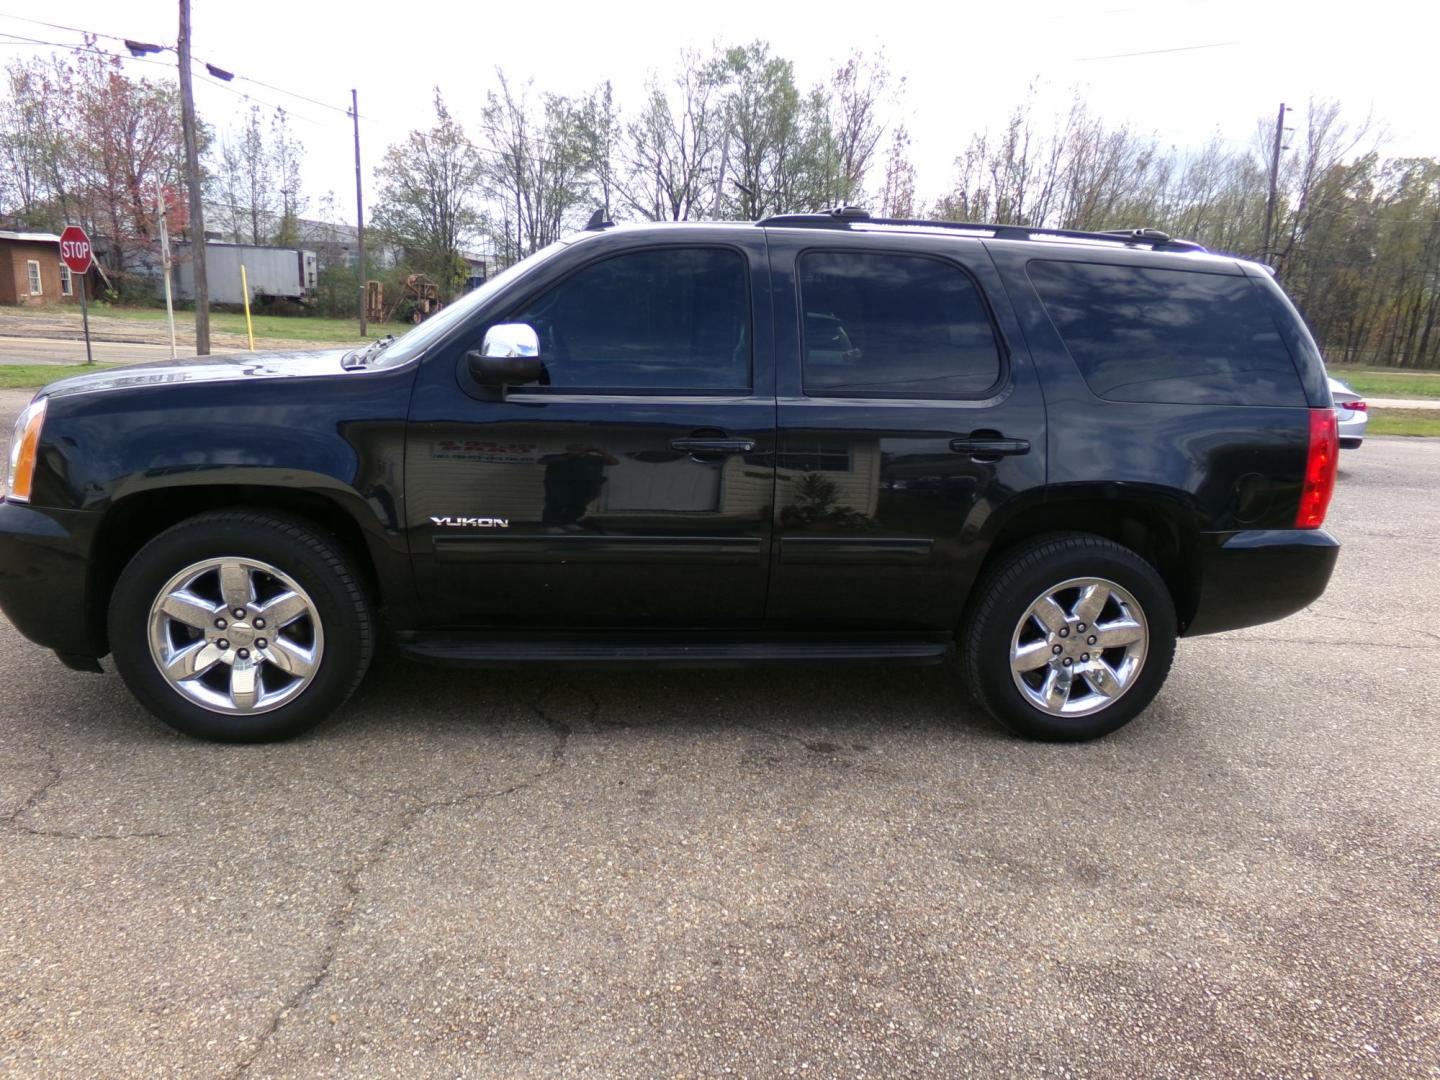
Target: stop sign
pixel 75 249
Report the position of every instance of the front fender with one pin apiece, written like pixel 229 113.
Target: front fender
pixel 343 434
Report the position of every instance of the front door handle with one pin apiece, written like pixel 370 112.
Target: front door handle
pixel 986 446
pixel 712 445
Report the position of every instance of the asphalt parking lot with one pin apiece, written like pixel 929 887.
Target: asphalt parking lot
pixel 825 872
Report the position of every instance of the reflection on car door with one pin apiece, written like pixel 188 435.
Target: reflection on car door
pixel 908 411
pixel 635 488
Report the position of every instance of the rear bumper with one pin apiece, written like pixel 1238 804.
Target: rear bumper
pixel 44 573
pixel 1352 430
pixel 1259 576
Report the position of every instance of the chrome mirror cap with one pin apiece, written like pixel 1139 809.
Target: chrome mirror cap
pixel 510 340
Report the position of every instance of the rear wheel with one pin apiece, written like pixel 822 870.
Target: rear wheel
pixel 1070 637
pixel 241 627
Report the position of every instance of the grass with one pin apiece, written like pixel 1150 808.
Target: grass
pixel 288 327
pixel 34 376
pixel 1388 382
pixel 1421 422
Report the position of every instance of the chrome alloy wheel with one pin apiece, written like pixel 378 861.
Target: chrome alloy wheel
pixel 236 636
pixel 1079 646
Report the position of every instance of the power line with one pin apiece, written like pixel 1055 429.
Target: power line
pixel 251 97
pixel 89 47
pixel 82 48
pixel 59 26
pixel 313 101
pixel 1156 52
pixel 20 39
pixel 95 50
pixel 505 155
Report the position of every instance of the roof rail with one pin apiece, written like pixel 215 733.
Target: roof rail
pixel 843 217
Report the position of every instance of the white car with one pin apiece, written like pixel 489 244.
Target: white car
pixel 1351 414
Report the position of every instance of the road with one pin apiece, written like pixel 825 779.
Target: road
pixel 828 872
pixel 53 335
pixel 33 350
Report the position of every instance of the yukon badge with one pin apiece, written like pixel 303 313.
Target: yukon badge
pixel 470 522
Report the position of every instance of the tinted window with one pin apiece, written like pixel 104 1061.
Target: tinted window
pixel 1168 335
pixel 663 319
pixel 895 326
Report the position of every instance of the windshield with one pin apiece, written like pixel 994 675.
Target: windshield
pixel 447 318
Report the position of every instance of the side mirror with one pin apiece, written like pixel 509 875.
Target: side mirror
pixel 509 356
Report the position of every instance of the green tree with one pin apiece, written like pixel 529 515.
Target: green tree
pixel 848 125
pixel 426 202
pixel 762 144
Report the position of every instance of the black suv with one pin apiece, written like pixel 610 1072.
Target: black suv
pixel 816 437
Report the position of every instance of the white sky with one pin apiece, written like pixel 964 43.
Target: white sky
pixel 966 64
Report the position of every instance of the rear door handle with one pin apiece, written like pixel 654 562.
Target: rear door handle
pixel 985 446
pixel 702 445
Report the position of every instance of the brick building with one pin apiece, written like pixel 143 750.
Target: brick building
pixel 31 271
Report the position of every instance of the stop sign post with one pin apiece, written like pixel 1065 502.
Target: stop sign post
pixel 77 254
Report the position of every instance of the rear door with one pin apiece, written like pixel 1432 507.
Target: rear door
pixel 908 415
pixel 633 489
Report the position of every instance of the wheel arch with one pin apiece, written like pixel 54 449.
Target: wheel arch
pixel 131 522
pixel 1157 525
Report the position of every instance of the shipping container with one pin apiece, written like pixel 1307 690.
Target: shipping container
pixel 273 273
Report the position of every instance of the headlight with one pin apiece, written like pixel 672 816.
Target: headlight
pixel 23 447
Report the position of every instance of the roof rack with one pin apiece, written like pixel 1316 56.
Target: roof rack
pixel 843 217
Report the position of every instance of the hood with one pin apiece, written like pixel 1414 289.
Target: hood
pixel 204 369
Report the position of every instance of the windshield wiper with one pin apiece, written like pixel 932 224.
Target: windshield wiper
pixel 361 357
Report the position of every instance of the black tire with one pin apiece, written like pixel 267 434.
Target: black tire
pixel 1004 595
pixel 305 553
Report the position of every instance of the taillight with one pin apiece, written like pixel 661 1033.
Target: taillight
pixel 1358 406
pixel 1321 460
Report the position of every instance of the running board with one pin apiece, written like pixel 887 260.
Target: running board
pixel 665 651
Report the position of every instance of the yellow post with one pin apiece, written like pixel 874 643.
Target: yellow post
pixel 245 288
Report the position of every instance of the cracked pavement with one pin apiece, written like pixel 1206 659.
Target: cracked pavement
pixel 836 871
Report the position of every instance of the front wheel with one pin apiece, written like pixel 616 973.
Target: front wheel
pixel 240 626
pixel 1069 638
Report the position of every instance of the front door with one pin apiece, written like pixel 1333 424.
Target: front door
pixel 908 414
pixel 634 487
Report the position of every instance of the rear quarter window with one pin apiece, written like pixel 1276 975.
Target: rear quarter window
pixel 885 324
pixel 1173 336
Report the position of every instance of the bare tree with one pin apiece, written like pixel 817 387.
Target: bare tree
pixel 672 148
pixel 35 167
pixel 601 130
pixel 897 196
pixel 538 163
pixel 857 92
pixel 287 154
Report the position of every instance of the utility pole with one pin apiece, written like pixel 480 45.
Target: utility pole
pixel 197 196
pixel 1265 251
pixel 165 264
pixel 359 211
